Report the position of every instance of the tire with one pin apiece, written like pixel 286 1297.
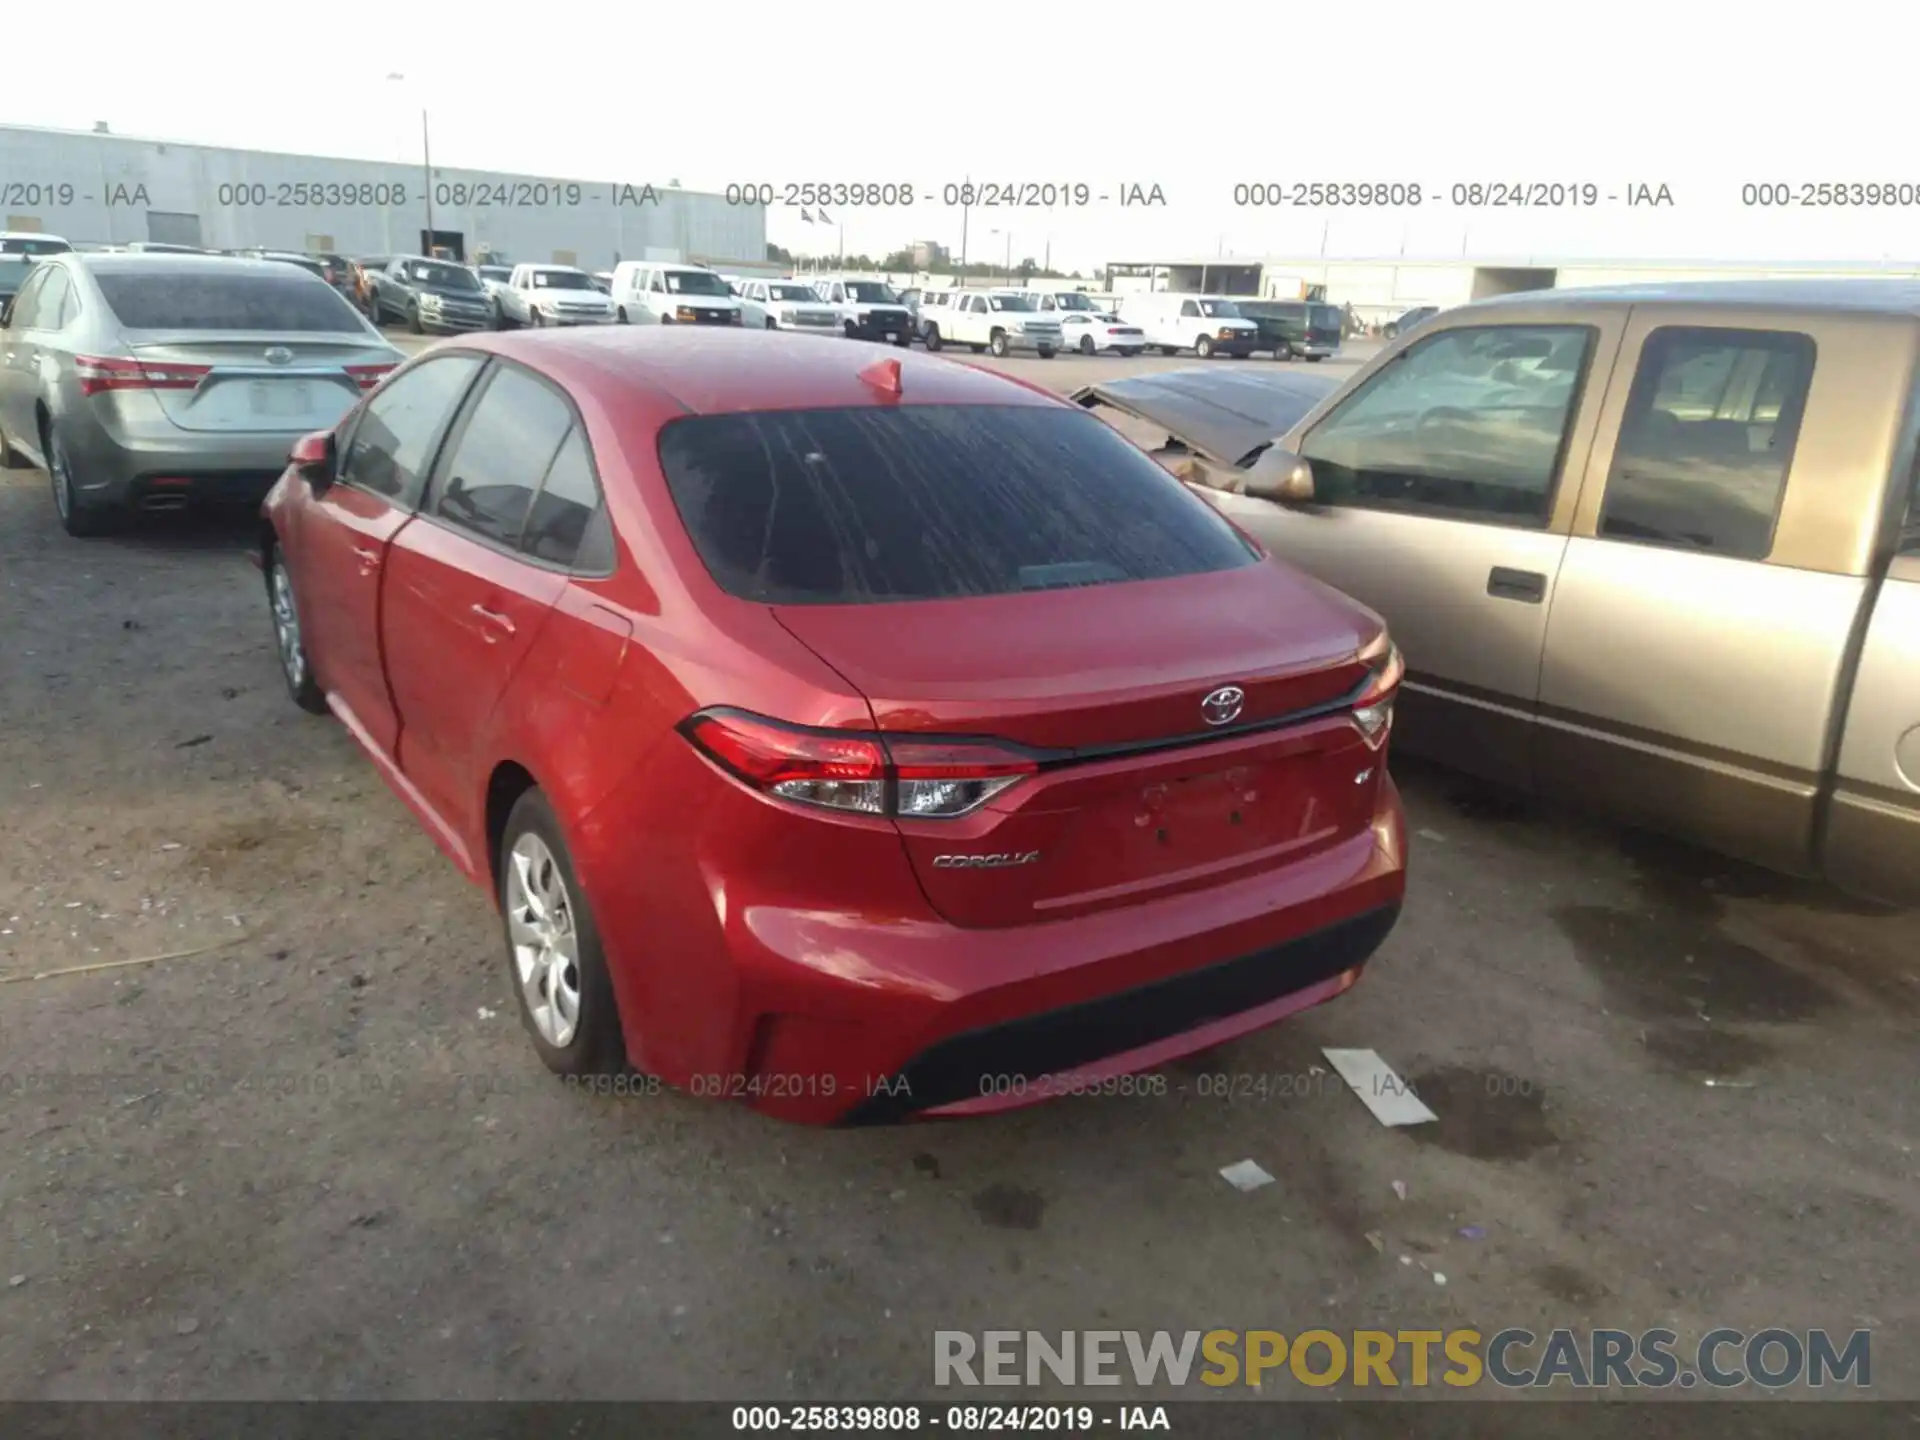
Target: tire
pixel 413 319
pixel 1203 347
pixel 1131 353
pixel 904 341
pixel 978 349
pixel 10 458
pixel 79 520
pixel 1047 352
pixel 997 343
pixel 1087 347
pixel 1315 359
pixel 666 320
pixel 289 638
pixel 771 323
pixel 933 339
pixel 535 318
pixel 620 316
pixel 533 855
pixel 1169 349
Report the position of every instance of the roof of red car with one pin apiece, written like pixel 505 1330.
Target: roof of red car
pixel 709 370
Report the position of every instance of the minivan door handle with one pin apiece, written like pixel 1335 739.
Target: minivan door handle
pixel 1528 586
pixel 494 621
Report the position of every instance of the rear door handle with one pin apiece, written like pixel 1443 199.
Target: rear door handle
pixel 1529 586
pixel 368 559
pixel 493 619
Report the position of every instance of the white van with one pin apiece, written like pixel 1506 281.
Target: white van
pixel 1208 325
pixel 655 292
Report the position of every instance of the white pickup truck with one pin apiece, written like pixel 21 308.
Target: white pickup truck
pixel 996 320
pixel 869 310
pixel 553 295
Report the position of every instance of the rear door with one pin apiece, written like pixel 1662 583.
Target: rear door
pixel 464 606
pixel 1872 844
pixel 1439 502
pixel 20 358
pixel 340 552
pixel 1698 650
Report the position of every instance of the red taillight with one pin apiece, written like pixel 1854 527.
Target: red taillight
pixel 100 373
pixel 368 376
pixel 865 773
pixel 1373 708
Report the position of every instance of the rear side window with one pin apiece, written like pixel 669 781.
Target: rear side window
pixel 812 507
pixel 216 299
pixel 496 462
pixel 1707 440
pixel 567 524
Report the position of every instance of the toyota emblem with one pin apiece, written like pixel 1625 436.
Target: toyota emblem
pixel 279 355
pixel 1223 706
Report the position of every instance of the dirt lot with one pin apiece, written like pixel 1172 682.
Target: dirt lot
pixel 322 1161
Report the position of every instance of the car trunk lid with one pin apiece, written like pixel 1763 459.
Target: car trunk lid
pixel 237 382
pixel 1138 793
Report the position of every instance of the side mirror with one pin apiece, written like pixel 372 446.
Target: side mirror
pixel 313 456
pixel 1281 477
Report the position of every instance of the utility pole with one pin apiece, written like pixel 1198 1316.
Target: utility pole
pixel 966 189
pixel 426 165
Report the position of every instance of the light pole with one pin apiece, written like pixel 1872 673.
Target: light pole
pixel 426 162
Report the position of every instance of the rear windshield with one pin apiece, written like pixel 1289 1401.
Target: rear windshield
pixel 1326 317
pixel 837 507
pixel 172 300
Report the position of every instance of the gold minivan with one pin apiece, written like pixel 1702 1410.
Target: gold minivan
pixel 1654 549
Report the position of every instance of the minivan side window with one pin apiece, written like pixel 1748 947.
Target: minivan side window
pixel 1469 424
pixel 392 442
pixel 1708 439
pixel 495 461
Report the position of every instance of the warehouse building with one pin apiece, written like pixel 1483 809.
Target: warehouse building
pixel 1380 290
pixel 104 188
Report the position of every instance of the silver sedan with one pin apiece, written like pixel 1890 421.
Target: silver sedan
pixel 151 381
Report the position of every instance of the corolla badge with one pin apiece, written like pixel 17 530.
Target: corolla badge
pixel 1223 706
pixel 1002 861
pixel 279 355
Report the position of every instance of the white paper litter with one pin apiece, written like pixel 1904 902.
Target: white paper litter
pixel 1390 1098
pixel 1245 1175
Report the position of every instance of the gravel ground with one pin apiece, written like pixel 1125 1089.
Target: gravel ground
pixel 317 1158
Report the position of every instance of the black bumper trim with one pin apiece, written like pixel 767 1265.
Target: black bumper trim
pixel 1034 1046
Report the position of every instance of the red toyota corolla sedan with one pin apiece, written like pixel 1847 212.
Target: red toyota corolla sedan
pixel 855 734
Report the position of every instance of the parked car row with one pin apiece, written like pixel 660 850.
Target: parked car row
pixel 147 381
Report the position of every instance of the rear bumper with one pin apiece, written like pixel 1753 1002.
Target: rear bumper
pixel 823 1013
pixel 122 471
pixel 1068 1050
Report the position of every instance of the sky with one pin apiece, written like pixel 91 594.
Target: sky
pixel 1704 100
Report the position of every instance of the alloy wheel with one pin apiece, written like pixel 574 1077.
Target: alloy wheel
pixel 286 626
pixel 546 946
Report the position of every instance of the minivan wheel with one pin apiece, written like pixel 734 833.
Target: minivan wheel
pixel 1203 347
pixel 932 337
pixel 289 639
pixel 554 959
pixel 77 518
pixel 997 342
pixel 1086 345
